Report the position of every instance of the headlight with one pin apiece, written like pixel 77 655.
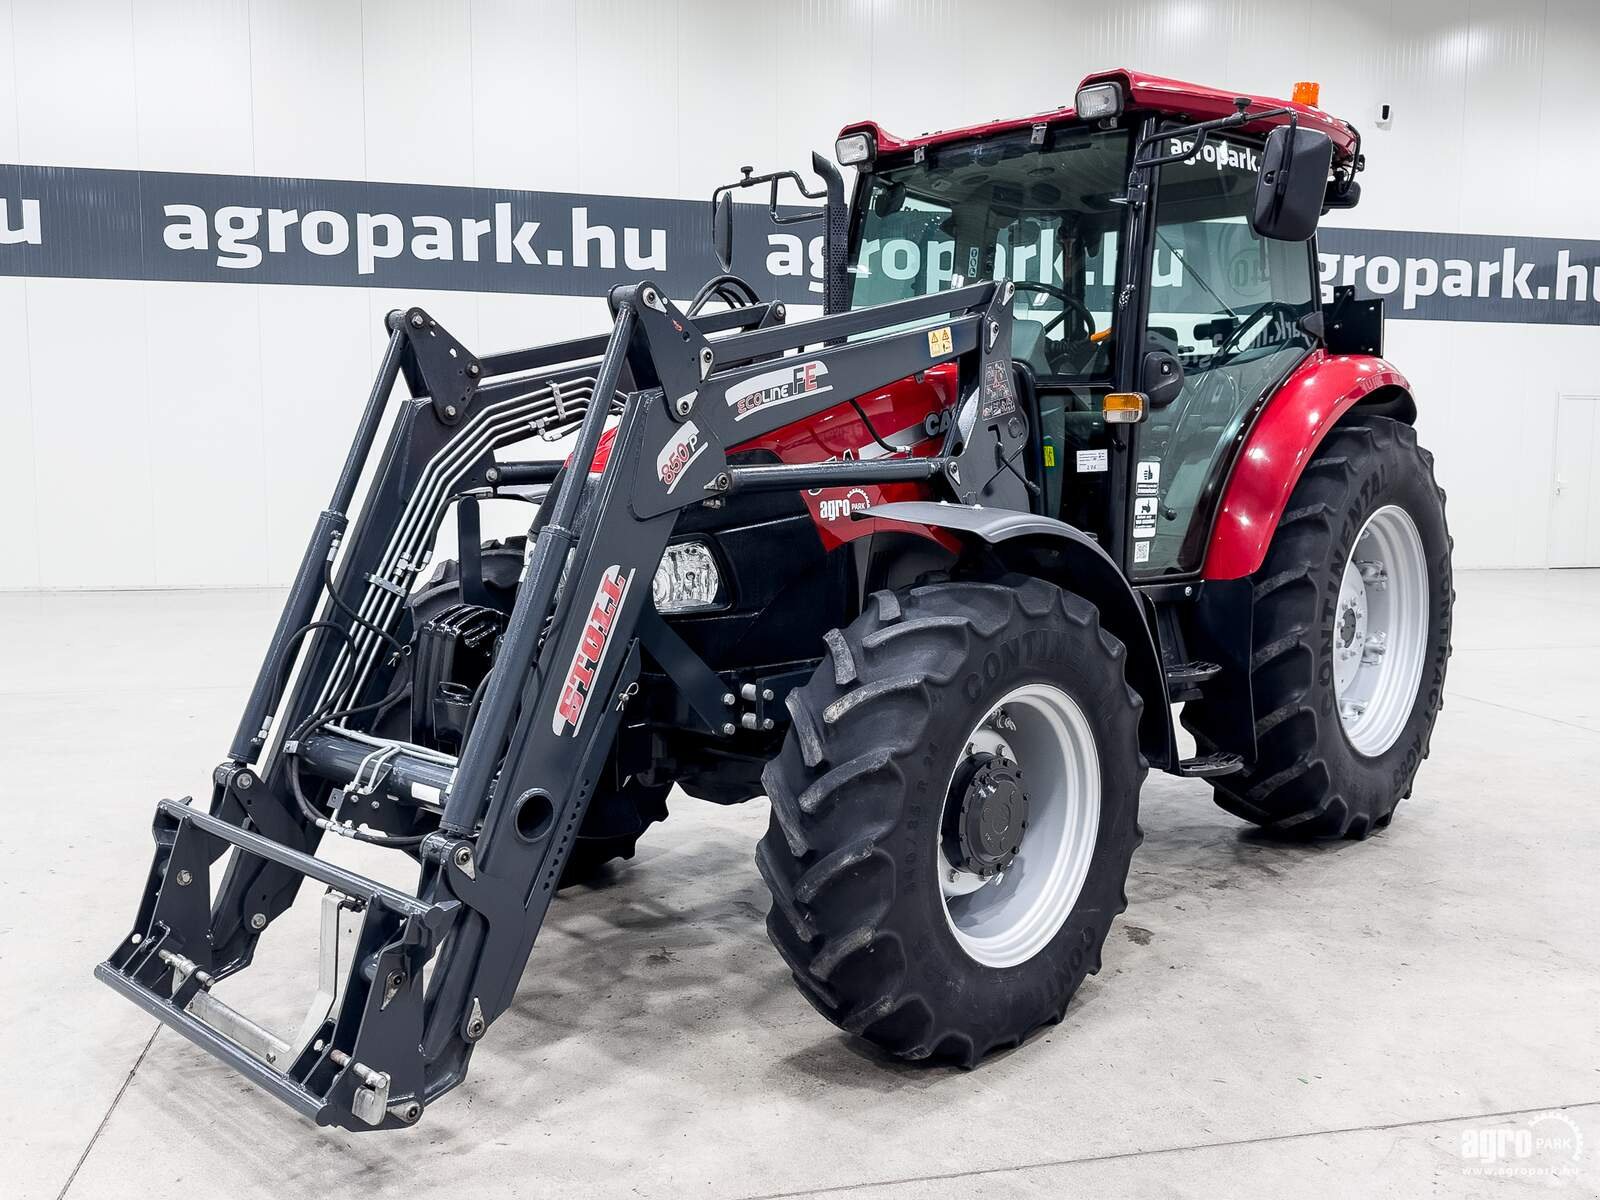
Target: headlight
pixel 687 579
pixel 1098 101
pixel 853 149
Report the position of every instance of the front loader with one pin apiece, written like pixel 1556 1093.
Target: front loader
pixel 1074 441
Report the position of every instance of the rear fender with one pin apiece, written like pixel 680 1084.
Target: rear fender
pixel 1053 550
pixel 1312 400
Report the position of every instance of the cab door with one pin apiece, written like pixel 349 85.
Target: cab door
pixel 1229 305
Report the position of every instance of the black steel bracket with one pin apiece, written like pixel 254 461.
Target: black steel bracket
pixel 436 365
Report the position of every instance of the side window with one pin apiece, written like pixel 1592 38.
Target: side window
pixel 1229 305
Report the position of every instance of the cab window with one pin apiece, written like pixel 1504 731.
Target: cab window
pixel 1041 215
pixel 1229 305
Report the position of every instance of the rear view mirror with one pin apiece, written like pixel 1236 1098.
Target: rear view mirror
pixel 1292 184
pixel 722 229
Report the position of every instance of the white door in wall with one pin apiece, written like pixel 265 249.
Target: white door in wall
pixel 1575 499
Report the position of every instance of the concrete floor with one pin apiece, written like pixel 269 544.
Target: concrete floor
pixel 1271 1020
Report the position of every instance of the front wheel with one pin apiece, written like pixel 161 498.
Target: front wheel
pixel 1351 636
pixel 953 815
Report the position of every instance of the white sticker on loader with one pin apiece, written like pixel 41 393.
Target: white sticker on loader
pixel 1141 552
pixel 1149 471
pixel 1092 460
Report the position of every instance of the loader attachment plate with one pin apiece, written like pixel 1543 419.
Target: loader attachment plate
pixel 358 1062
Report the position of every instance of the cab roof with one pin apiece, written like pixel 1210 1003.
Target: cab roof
pixel 1186 101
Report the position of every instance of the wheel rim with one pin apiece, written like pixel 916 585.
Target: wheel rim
pixel 1380 631
pixel 1007 918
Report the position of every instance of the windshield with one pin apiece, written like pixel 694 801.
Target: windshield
pixel 1043 216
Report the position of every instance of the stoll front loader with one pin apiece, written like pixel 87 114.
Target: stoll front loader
pixel 1076 440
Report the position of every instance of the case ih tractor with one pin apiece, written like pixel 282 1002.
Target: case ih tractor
pixel 1076 441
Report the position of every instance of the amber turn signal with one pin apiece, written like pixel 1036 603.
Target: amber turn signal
pixel 1125 408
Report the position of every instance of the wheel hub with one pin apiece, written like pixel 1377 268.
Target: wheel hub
pixel 986 814
pixel 1380 630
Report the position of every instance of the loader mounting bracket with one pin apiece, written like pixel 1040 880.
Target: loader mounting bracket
pixel 436 365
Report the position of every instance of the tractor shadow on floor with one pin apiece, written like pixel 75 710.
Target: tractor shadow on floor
pixel 660 975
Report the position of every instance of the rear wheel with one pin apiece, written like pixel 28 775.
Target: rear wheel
pixel 1352 636
pixel 953 815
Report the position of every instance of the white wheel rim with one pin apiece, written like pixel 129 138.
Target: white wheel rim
pixel 1380 631
pixel 1008 918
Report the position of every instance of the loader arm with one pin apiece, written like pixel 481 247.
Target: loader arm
pixel 492 827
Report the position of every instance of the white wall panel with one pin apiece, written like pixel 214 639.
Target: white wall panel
pixel 1568 92
pixel 307 73
pixel 833 39
pixel 1422 53
pixel 728 90
pixel 417 69
pixel 192 78
pixel 629 136
pixel 19 538
pixel 527 93
pixel 1505 52
pixel 9 128
pixel 76 96
pixel 1271 44
pixel 317 365
pixel 1488 419
pixel 206 448
pixel 91 432
pixel 141 384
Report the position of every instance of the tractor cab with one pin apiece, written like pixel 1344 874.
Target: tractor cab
pixel 1152 254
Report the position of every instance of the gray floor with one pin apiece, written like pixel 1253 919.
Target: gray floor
pixel 1271 1021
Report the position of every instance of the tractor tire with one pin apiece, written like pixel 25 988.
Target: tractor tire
pixel 899 914
pixel 617 815
pixel 1337 748
pixel 617 818
pixel 502 570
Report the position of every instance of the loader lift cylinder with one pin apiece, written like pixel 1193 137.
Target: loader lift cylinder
pixel 306 590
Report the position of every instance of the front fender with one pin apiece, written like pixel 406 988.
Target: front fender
pixel 1320 391
pixel 1049 549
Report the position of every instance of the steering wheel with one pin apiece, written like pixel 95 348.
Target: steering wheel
pixel 1070 308
pixel 1229 348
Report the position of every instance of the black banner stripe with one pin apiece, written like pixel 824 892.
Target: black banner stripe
pixel 74 222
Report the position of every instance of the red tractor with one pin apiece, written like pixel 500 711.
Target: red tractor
pixel 1076 440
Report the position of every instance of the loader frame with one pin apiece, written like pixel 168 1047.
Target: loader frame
pixel 492 829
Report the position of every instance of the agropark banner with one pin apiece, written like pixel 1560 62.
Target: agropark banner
pixel 86 223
